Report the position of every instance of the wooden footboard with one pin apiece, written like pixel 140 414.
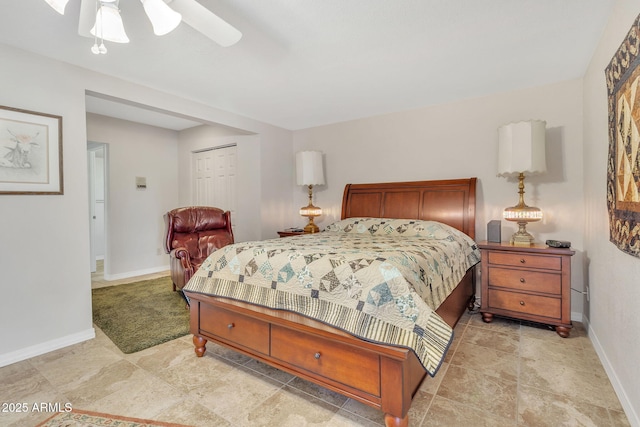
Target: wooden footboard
pixel 381 376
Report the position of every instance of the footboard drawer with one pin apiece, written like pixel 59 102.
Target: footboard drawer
pixel 234 328
pixel 345 364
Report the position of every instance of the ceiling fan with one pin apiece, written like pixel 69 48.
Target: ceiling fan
pixel 100 19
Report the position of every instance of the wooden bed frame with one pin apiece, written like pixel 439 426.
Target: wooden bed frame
pixel 382 376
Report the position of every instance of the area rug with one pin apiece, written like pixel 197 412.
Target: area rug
pixel 140 315
pixel 90 419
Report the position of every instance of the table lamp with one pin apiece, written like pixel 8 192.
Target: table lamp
pixel 521 149
pixel 309 172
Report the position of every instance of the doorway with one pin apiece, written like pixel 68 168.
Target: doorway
pixel 97 165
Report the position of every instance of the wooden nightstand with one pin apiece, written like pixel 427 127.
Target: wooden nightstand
pixel 287 233
pixel 529 283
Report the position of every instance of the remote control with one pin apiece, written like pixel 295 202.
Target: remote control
pixel 558 243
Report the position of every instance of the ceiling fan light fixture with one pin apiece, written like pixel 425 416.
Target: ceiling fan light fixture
pixel 109 24
pixel 58 5
pixel 162 17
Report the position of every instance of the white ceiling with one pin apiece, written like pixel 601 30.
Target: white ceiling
pixel 304 63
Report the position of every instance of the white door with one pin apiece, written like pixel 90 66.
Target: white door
pixel 214 180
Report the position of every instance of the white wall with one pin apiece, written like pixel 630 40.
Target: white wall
pixel 135 225
pixel 459 140
pixel 248 174
pixel 44 250
pixel 614 276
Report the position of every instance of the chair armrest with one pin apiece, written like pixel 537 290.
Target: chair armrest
pixel 183 255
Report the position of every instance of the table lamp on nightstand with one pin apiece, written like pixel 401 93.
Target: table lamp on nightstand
pixel 521 149
pixel 309 172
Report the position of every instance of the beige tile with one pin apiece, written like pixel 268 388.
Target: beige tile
pixel 269 371
pixel 537 408
pixel 498 324
pixel 142 395
pixel 195 372
pixel 486 360
pixel 560 352
pixel 548 333
pixel 430 384
pixel 364 411
pixel 289 407
pixel 317 391
pixel 447 413
pixel 419 407
pixel 480 391
pixel 505 340
pixel 22 387
pixel 566 379
pixel 235 394
pixel 344 418
pixel 110 379
pixel 618 419
pixel 458 332
pixel 190 413
pixel 68 368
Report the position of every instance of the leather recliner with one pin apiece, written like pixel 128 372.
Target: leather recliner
pixel 193 233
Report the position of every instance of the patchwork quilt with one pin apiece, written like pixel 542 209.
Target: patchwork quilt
pixel 378 279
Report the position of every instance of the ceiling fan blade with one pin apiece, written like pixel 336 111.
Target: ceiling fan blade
pixel 203 20
pixel 87 17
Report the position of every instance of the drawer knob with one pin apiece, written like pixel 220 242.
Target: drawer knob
pixel 521 260
pixel 317 355
pixel 230 326
pixel 522 280
pixel 521 302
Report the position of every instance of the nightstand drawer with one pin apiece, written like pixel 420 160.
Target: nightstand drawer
pixel 524 303
pixel 525 260
pixel 525 280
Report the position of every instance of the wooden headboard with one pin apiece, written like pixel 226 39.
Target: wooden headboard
pixel 452 201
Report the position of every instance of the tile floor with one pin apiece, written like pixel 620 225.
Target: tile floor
pixel 499 374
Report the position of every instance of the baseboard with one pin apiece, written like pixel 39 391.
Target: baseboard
pixel 629 410
pixel 577 317
pixel 129 274
pixel 46 347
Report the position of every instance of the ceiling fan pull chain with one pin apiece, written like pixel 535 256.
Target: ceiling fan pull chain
pixel 102 49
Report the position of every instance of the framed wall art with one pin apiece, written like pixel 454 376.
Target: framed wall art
pixel 623 163
pixel 30 152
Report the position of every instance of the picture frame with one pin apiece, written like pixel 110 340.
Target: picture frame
pixel 30 152
pixel 623 162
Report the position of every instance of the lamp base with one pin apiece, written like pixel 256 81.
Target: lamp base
pixel 522 237
pixel 519 240
pixel 311 228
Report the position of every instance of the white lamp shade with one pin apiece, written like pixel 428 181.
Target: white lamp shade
pixel 309 168
pixel 162 17
pixel 109 25
pixel 58 5
pixel 521 147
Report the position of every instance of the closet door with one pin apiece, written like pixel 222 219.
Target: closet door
pixel 214 180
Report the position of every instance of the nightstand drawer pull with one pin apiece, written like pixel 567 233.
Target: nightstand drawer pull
pixel 317 355
pixel 230 326
pixel 522 280
pixel 521 302
pixel 521 260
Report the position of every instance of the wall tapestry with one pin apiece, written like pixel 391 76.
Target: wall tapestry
pixel 30 152
pixel 623 163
